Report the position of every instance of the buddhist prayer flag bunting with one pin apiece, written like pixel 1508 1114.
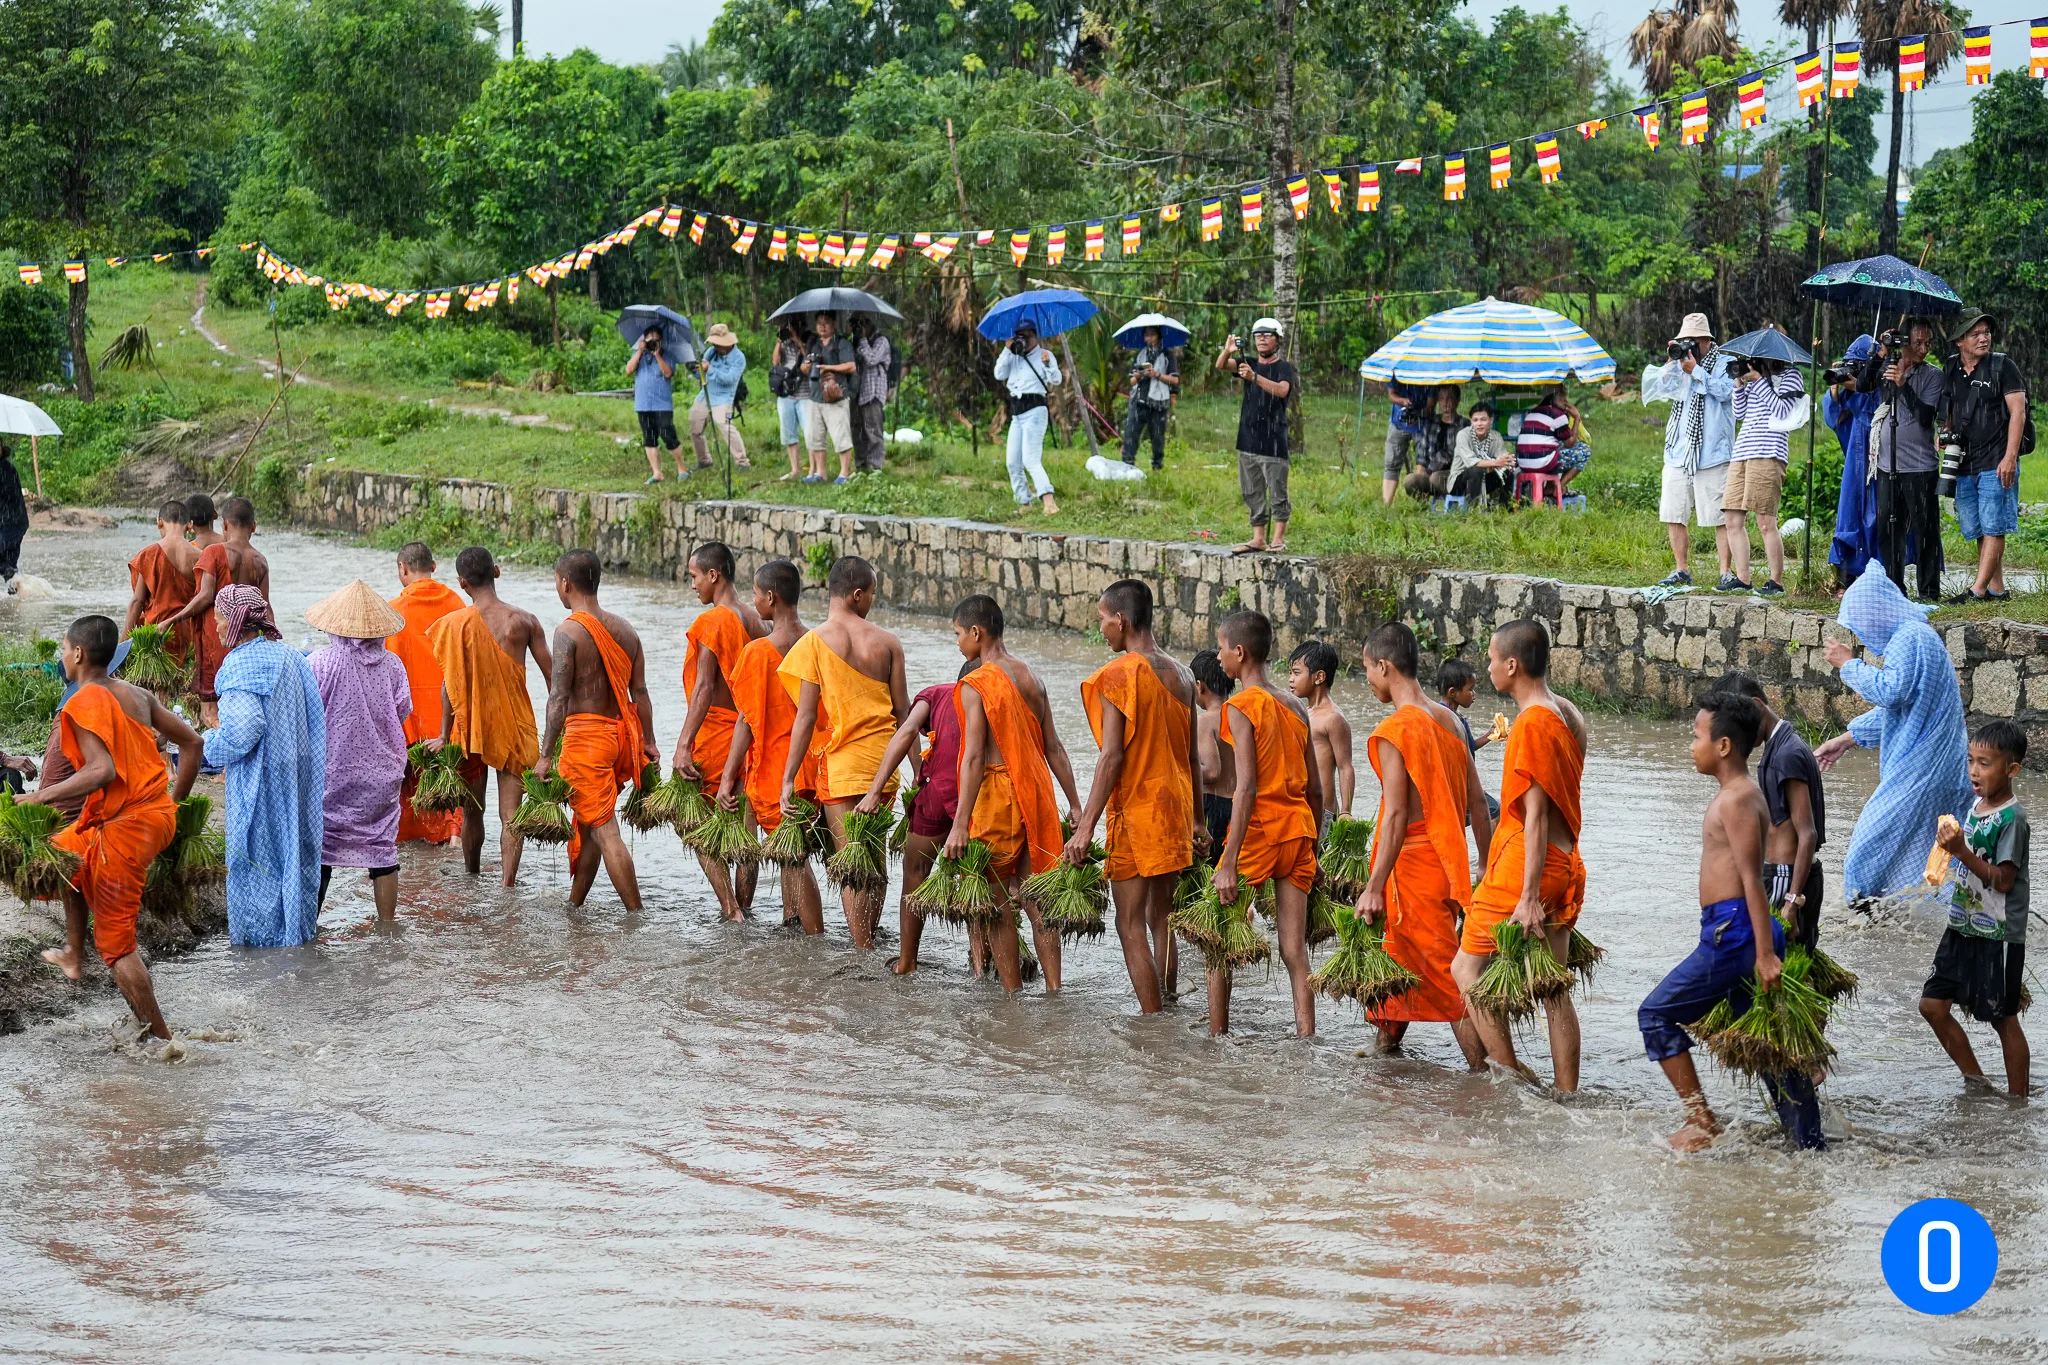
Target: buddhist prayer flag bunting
pixel 1806 71
pixel 1546 158
pixel 337 299
pixel 161 256
pixel 1977 55
pixel 1590 129
pixel 1253 200
pixel 244 246
pixel 1454 178
pixel 1651 122
pixel 1912 63
pixel 856 249
pixel 985 237
pixel 732 225
pixel 835 248
pixel 1368 189
pixel 1500 165
pixel 697 228
pixel 1212 219
pixel 921 241
pixel 1847 71
pixel 1169 213
pixel 31 273
pixel 886 252
pixel 1693 119
pixel 203 252
pixel 2037 52
pixel 491 294
pixel 1297 196
pixel 511 289
pixel 399 303
pixel 1056 245
pixel 1749 99
pixel 807 245
pixel 671 223
pixel 1333 184
pixel 437 305
pixel 583 258
pixel 941 248
pixel 117 261
pixel 1020 246
pixel 1410 165
pixel 745 241
pixel 1131 234
pixel 1091 240
pixel 74 272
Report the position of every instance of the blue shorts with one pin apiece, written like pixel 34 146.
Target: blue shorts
pixel 1985 506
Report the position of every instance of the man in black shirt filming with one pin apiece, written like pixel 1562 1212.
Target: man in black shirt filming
pixel 1903 447
pixel 1262 432
pixel 1984 407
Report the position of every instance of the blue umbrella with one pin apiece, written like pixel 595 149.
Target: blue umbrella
pixel 678 337
pixel 1767 344
pixel 1883 283
pixel 1172 333
pixel 1051 311
pixel 1501 343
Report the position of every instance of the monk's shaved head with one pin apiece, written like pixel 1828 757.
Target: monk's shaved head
pixel 850 574
pixel 239 512
pixel 780 577
pixel 415 555
pixel 980 610
pixel 172 513
pixel 1130 599
pixel 1394 644
pixel 1249 631
pixel 715 556
pixel 580 570
pixel 1527 643
pixel 474 567
pixel 1208 671
pixel 97 637
pixel 199 507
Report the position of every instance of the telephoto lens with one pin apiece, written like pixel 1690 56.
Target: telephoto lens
pixel 1951 464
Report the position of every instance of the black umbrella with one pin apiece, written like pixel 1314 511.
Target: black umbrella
pixel 836 300
pixel 678 338
pixel 1767 343
pixel 1882 283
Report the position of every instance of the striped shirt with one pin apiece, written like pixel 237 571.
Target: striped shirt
pixel 1543 431
pixel 1756 404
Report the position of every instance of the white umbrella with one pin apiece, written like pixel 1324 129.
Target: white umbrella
pixel 19 417
pixel 1172 332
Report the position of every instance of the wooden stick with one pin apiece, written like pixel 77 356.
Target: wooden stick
pixel 236 463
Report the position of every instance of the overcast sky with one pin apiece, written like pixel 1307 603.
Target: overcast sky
pixel 1939 116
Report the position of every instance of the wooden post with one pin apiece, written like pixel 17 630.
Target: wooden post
pixel 36 462
pixel 1080 390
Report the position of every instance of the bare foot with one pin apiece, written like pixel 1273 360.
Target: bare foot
pixel 1051 508
pixel 902 968
pixel 732 915
pixel 63 960
pixel 1692 1138
pixel 1390 1036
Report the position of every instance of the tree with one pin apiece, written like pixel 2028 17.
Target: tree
pixel 699 66
pixel 1881 23
pixel 354 85
pixel 93 95
pixel 1684 36
pixel 1811 16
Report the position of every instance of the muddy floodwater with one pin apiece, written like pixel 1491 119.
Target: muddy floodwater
pixel 512 1131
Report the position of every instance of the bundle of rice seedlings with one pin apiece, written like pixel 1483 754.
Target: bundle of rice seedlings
pixel 680 801
pixel 1346 856
pixel 1783 1029
pixel 196 856
pixel 1323 910
pixel 151 663
pixel 1829 977
pixel 438 785
pixel 863 864
pixel 1266 900
pixel 543 814
pixel 959 890
pixel 36 868
pixel 635 812
pixel 724 838
pixel 789 843
pixel 1070 899
pixel 1583 956
pixel 1221 932
pixel 45 648
pixel 1189 888
pixel 1523 972
pixel 1361 968
pixel 899 838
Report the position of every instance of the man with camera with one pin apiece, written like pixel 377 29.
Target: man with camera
pixel 1768 398
pixel 1699 441
pixel 827 367
pixel 1262 452
pixel 1902 445
pixel 1984 407
pixel 1155 374
pixel 1028 371
pixel 1847 406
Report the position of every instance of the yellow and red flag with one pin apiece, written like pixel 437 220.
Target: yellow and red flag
pixel 984 236
pixel 1546 158
pixel 1848 70
pixel 2037 51
pixel 1169 213
pixel 1056 245
pixel 160 257
pixel 399 303
pixel 511 290
pixel 1749 99
pixel 835 249
pixel 31 273
pixel 671 224
pixel 886 252
pixel 117 261
pixel 1590 129
pixel 1091 240
pixel 1977 55
pixel 584 257
pixel 1212 219
pixel 1500 165
pixel 74 272
pixel 203 252
pixel 745 241
pixel 1020 246
pixel 807 245
pixel 1806 73
pixel 337 299
pixel 856 249
pixel 1333 184
pixel 1912 63
pixel 1368 189
pixel 1408 165
pixel 942 246
pixel 1454 178
pixel 1693 119
pixel 1253 201
pixel 1131 234
pixel 1297 196
pixel 697 228
pixel 1651 122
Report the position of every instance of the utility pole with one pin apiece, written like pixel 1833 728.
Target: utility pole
pixel 518 25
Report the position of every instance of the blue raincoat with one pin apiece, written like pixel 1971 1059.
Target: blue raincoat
pixel 1916 727
pixel 1856 506
pixel 272 742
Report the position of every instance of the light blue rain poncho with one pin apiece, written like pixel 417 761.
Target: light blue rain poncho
pixel 1916 727
pixel 272 742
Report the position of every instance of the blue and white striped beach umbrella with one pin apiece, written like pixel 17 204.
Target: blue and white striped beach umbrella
pixel 1501 343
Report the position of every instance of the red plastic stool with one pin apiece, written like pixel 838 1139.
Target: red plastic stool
pixel 1536 487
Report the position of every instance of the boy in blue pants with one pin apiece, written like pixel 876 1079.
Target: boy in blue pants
pixel 1738 936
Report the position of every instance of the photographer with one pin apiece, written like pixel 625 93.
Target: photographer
pixel 1847 406
pixel 1437 425
pixel 1028 370
pixel 1985 405
pixel 1407 410
pixel 1767 401
pixel 828 406
pixel 1902 444
pixel 722 371
pixel 654 401
pixel 1155 375
pixel 788 387
pixel 1699 442
pixel 1262 450
pixel 877 366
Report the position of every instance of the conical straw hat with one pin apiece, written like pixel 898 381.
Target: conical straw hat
pixel 355 612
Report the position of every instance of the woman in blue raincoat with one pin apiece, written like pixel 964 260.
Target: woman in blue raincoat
pixel 1848 411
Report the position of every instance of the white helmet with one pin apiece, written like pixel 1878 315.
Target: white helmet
pixel 1269 325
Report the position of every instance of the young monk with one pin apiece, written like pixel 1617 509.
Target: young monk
pixel 1738 935
pixel 1219 770
pixel 847 679
pixel 760 734
pixel 238 522
pixel 1141 708
pixel 1311 668
pixel 1272 836
pixel 932 717
pixel 1421 869
pixel 485 711
pixel 161 582
pixel 422 600
pixel 215 568
pixel 1534 873
pixel 600 713
pixel 108 731
pixel 1009 755
pixel 715 639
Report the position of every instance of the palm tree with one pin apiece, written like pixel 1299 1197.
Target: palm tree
pixel 1682 36
pixel 1813 16
pixel 1881 23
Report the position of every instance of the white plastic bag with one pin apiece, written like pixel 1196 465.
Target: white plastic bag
pixel 907 436
pixel 1801 414
pixel 1114 471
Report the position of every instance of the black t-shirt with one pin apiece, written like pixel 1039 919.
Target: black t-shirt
pixel 1262 419
pixel 1787 758
pixel 1974 404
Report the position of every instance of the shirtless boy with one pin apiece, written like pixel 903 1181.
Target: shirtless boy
pixel 600 714
pixel 1310 671
pixel 1218 767
pixel 238 522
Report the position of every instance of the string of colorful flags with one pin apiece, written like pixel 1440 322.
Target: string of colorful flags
pixel 1829 73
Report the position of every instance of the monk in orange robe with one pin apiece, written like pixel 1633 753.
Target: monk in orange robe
pixel 846 678
pixel 1421 868
pixel 218 565
pixel 1010 753
pixel 422 600
pixel 766 714
pixel 108 732
pixel 161 580
pixel 1141 707
pixel 600 714
pixel 1272 833
pixel 1534 874
pixel 715 639
pixel 484 708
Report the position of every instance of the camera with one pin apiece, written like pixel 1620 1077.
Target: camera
pixel 1832 376
pixel 1738 366
pixel 1894 338
pixel 1683 348
pixel 1951 463
pixel 1019 345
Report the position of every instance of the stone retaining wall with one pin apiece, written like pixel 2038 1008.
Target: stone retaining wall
pixel 1612 643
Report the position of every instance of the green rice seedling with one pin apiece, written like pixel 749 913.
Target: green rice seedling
pixel 1266 900
pixel 789 843
pixel 543 814
pixel 1189 888
pixel 1783 1029
pixel 635 812
pixel 1346 856
pixel 1027 962
pixel 200 850
pixel 1523 971
pixel 1070 899
pixel 1583 956
pixel 37 869
pixel 961 890
pixel 1361 968
pixel 29 697
pixel 438 785
pixel 899 838
pixel 1222 932
pixel 690 805
pixel 153 665
pixel 46 649
pixel 863 864
pixel 1830 978
pixel 723 838
pixel 1323 910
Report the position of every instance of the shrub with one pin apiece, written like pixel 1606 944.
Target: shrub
pixel 31 334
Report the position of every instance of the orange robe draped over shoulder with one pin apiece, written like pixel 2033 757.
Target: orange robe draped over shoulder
pixel 487 690
pixel 124 825
pixel 1015 814
pixel 1280 832
pixel 1151 814
pixel 212 653
pixel 720 630
pixel 422 602
pixel 601 754
pixel 1542 753
pixel 170 588
pixel 1432 876
pixel 856 718
pixel 771 715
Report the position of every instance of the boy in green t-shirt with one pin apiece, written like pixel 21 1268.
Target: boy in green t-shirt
pixel 1982 956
